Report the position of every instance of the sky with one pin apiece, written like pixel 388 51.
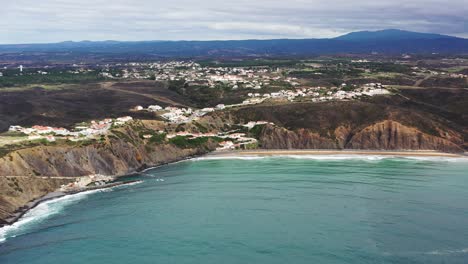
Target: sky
pixel 46 21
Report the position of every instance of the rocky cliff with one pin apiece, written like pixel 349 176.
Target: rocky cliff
pixel 15 192
pixel 273 137
pixel 393 135
pixel 380 124
pixel 386 135
pixel 24 173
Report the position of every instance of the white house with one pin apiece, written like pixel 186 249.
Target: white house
pixel 154 108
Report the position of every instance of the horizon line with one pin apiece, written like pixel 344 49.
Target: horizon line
pixel 208 40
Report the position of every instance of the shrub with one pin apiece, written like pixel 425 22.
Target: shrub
pixel 185 142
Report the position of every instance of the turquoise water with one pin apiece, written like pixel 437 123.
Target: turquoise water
pixel 259 210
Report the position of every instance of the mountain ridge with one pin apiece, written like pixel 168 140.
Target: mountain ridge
pixel 392 35
pixel 389 41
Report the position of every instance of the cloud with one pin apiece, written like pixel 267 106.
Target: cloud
pixel 26 21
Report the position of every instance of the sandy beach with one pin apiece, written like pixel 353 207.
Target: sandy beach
pixel 272 152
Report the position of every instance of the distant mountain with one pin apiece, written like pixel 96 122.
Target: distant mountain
pixel 391 35
pixel 390 41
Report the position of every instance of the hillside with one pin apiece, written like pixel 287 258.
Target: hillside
pixel 24 173
pixel 380 123
pixel 66 105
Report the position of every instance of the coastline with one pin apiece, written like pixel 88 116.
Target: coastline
pixel 54 195
pixel 230 153
pixel 279 152
pixel 20 212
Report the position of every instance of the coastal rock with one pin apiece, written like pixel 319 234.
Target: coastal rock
pixel 30 173
pixel 280 138
pixel 391 135
pixel 15 192
pixel 116 157
pixel 385 135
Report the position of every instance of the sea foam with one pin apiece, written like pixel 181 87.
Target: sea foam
pixel 47 209
pixel 448 252
pixel 337 157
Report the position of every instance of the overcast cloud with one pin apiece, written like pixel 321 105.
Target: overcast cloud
pixel 32 21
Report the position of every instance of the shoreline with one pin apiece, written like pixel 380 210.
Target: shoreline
pixel 229 153
pixel 18 214
pixel 299 152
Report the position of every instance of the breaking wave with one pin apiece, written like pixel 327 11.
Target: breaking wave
pixel 448 252
pixel 47 209
pixel 334 157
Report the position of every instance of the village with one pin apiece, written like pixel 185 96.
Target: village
pixel 178 115
pixel 81 131
pixel 194 74
pixel 231 139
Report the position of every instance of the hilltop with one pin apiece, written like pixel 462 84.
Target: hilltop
pixel 391 35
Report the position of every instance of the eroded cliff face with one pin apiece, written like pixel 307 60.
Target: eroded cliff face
pixel 280 138
pixel 392 135
pixel 24 173
pixel 115 157
pixel 385 135
pixel 15 192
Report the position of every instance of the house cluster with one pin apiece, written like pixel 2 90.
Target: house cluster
pixel 245 78
pixel 457 75
pixel 178 115
pixel 252 124
pixel 232 140
pixel 80 132
pixel 423 71
pixel 194 74
pixel 318 94
pixel 86 181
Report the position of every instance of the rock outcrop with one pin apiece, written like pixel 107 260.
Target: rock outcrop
pixel 391 135
pixel 280 138
pixel 15 192
pixel 117 156
pixel 385 135
pixel 28 174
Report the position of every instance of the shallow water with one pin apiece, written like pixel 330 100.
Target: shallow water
pixel 312 209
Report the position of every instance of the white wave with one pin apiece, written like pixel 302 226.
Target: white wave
pixel 337 157
pixel 127 184
pixel 47 209
pixel 333 157
pixel 448 252
pixel 377 157
pixel 253 157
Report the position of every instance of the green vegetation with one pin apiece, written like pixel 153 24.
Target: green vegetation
pixel 13 183
pixel 249 63
pixel 386 67
pixel 200 127
pixel 14 79
pixel 158 138
pixel 256 131
pixel 187 142
pixel 13 134
pixel 123 136
pixel 327 73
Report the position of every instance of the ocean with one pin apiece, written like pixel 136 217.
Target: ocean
pixel 290 209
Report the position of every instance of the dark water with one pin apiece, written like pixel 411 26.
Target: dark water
pixel 259 210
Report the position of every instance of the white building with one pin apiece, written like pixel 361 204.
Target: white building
pixel 154 108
